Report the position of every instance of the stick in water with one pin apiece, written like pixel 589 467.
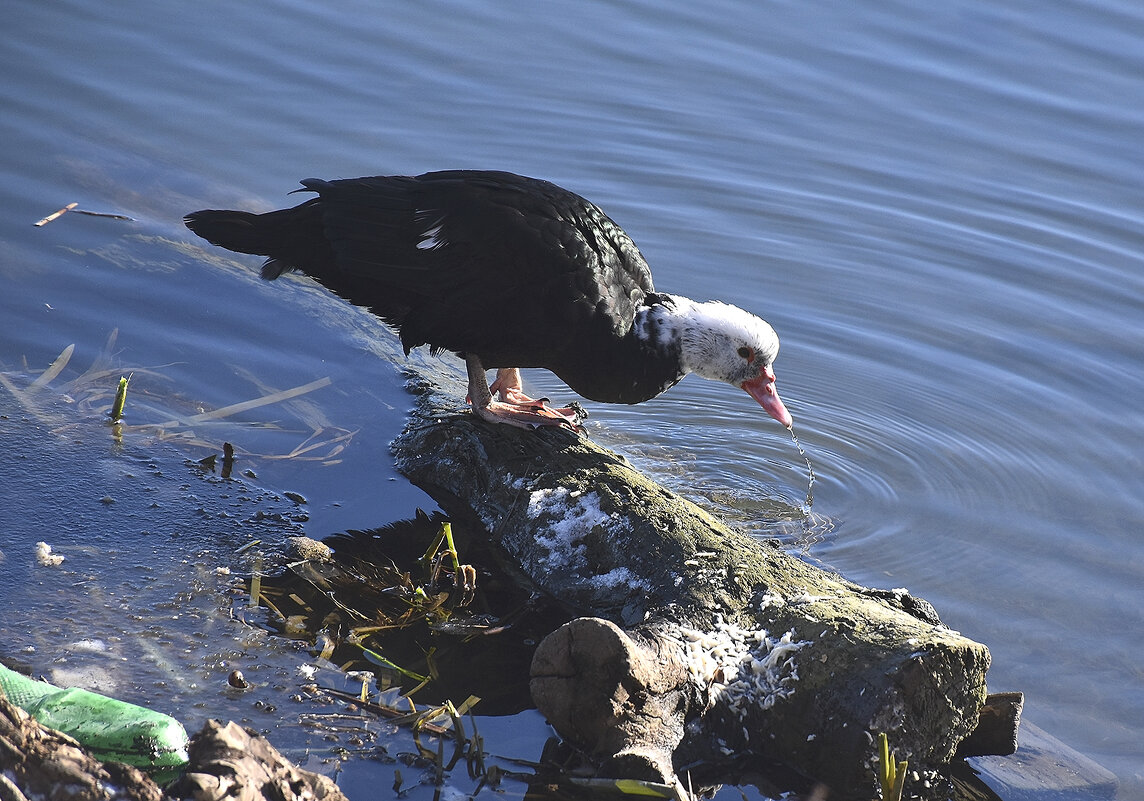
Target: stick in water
pixel 56 215
pixel 105 214
pixel 120 400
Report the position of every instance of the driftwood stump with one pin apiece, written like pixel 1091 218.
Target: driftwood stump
pixel 704 645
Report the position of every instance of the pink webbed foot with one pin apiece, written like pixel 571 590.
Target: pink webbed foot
pixel 510 389
pixel 513 407
pixel 529 416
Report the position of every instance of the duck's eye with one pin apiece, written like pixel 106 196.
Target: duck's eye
pixel 747 353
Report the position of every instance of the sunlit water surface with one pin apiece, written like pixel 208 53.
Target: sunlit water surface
pixel 939 211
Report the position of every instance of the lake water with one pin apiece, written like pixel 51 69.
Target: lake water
pixel 940 211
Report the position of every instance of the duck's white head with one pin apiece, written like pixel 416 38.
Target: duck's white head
pixel 724 343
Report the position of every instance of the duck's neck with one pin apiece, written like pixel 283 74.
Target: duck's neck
pixel 674 325
pixel 660 324
pixel 637 366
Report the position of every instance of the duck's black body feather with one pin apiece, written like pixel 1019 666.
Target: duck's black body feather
pixel 514 270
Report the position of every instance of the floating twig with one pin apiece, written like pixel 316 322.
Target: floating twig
pixel 56 215
pixel 104 214
pixel 396 716
pixel 72 207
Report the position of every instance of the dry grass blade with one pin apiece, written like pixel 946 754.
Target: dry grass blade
pixel 93 392
pixel 308 412
pixel 53 370
pixel 335 443
pixel 101 363
pixel 254 403
pixel 255 582
pixel 17 393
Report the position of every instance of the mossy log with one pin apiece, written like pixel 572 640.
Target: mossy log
pixel 704 645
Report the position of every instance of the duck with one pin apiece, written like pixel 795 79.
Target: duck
pixel 507 272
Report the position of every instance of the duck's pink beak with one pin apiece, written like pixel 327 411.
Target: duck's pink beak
pixel 763 390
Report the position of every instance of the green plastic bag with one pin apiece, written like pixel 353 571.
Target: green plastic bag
pixel 111 730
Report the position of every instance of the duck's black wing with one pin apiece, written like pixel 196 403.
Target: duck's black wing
pixel 483 262
pixel 513 269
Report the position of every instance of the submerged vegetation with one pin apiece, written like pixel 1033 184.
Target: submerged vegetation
pixel 414 616
pixel 400 603
pixel 163 415
pixel 891 773
pixel 116 413
pixel 419 613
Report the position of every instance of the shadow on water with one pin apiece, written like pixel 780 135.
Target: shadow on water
pixel 387 601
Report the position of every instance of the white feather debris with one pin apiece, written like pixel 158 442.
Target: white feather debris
pixel 45 556
pixel 805 597
pixel 743 668
pixel 770 598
